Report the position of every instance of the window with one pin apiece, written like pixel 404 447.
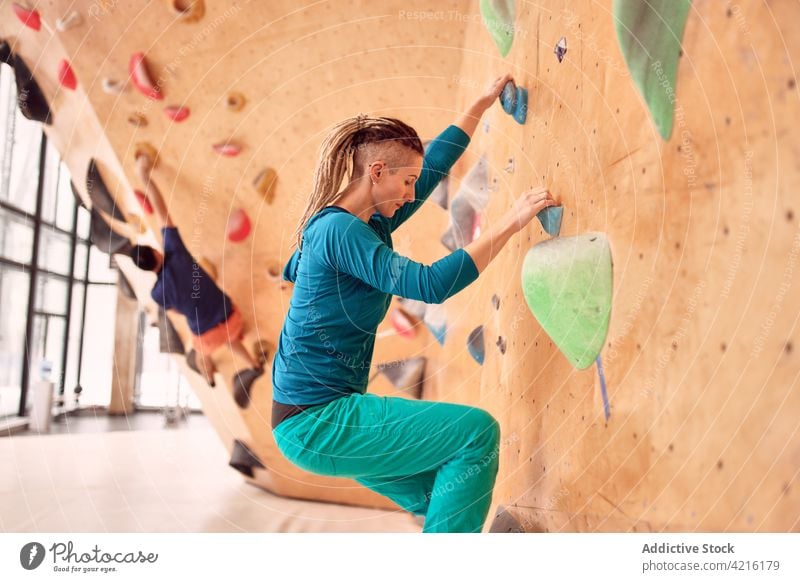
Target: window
pixel 99 269
pixel 20 189
pixel 84 223
pixel 65 207
pixel 54 250
pixel 49 185
pixel 16 237
pixel 38 210
pixel 74 341
pixel 98 345
pixel 13 318
pixel 81 256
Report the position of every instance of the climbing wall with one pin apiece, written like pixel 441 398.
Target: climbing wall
pixel 699 359
pixel 700 429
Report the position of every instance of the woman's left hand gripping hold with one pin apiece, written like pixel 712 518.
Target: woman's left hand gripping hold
pixel 469 121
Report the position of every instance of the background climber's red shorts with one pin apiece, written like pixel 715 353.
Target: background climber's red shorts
pixel 230 330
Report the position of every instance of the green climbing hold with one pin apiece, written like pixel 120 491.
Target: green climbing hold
pixel 498 17
pixel 649 35
pixel 567 284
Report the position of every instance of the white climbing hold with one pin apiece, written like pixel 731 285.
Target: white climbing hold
pixel 113 87
pixel 71 20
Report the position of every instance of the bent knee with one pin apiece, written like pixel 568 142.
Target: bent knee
pixel 487 427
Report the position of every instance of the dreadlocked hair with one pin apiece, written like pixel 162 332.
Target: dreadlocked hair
pixel 343 154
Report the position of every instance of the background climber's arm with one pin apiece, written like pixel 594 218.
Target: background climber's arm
pixel 144 167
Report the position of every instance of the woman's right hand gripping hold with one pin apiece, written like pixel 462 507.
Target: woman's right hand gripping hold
pixel 524 209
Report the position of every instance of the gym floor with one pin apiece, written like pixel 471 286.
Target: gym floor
pixel 93 473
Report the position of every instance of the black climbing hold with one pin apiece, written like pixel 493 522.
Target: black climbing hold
pixel 405 375
pixel 30 98
pixel 561 49
pixel 506 522
pixel 169 342
pixel 243 384
pixel 495 302
pixel 244 460
pixel 76 195
pixel 99 194
pixel 501 344
pixel 105 238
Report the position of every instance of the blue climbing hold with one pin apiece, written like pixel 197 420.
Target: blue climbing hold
pixel 550 218
pixel 521 106
pixel 475 344
pixel 508 97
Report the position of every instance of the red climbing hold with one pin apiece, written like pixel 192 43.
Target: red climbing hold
pixel 143 202
pixel 227 149
pixel 29 18
pixel 141 77
pixel 238 226
pixel 403 324
pixel 65 75
pixel 176 113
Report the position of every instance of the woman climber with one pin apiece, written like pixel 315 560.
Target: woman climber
pixel 434 459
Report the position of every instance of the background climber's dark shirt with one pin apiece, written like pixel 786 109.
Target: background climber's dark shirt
pixel 184 286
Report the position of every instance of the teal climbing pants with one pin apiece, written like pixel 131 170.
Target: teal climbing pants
pixel 434 459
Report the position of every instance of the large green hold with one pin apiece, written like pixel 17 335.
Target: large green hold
pixel 649 34
pixel 567 284
pixel 499 19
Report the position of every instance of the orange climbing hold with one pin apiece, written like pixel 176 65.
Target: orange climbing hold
pixel 264 184
pixel 238 226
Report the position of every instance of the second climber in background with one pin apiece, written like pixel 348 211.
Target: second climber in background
pixel 183 286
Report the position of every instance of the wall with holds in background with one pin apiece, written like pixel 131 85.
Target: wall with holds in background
pixel 699 360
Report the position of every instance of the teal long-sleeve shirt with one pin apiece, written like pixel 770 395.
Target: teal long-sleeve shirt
pixel 344 279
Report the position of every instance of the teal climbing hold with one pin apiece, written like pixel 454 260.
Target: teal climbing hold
pixel 649 35
pixel 567 285
pixel 521 106
pixel 498 17
pixel 550 218
pixel 476 345
pixel 435 319
pixel 508 97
